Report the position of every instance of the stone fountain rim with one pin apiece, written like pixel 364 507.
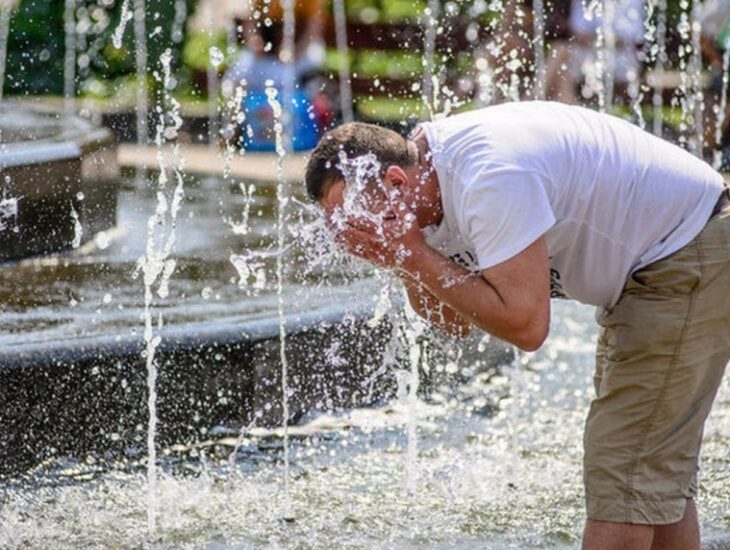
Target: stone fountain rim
pixel 69 144
pixel 63 352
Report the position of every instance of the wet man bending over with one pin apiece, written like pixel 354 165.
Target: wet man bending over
pixel 486 215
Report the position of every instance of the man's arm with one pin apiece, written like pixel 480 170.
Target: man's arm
pixel 510 300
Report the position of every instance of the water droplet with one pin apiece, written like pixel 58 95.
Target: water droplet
pixel 216 57
pixel 102 240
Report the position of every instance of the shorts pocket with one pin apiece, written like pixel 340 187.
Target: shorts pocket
pixel 677 274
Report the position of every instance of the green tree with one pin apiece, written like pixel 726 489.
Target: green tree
pixel 36 45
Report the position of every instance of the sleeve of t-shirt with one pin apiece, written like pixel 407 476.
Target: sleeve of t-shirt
pixel 503 212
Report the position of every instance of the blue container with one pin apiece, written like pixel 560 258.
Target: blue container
pixel 258 129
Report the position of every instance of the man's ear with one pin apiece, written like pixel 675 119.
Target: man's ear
pixel 395 177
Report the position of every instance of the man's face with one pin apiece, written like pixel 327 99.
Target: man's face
pixel 333 198
pixel 371 204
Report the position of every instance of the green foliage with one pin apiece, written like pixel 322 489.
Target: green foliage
pixel 392 110
pixel 35 52
pixel 384 11
pixel 196 51
pixel 36 45
pixel 371 63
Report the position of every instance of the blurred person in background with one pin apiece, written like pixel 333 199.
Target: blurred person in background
pixel 263 63
pixel 510 51
pixel 576 60
pixel 263 32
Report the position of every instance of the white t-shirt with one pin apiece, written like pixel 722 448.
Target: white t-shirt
pixel 608 197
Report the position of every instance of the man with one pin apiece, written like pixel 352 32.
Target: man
pixel 487 214
pixel 263 33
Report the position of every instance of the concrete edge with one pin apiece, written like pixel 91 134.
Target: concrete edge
pixel 174 338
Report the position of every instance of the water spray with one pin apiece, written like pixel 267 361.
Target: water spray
pixel 538 41
pixel 157 265
pixel 69 66
pixel 140 37
pixel 721 109
pixel 6 12
pixel 430 79
pixel 281 201
pixel 340 16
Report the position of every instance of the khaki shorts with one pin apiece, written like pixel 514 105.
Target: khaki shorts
pixel 662 351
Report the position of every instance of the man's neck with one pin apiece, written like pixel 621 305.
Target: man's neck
pixel 429 208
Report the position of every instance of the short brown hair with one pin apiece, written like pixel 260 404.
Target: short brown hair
pixel 354 139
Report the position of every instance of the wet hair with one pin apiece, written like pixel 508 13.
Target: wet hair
pixel 354 139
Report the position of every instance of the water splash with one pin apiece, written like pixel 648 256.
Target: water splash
pixel 697 104
pixel 217 57
pixel 651 52
pixel 430 82
pixel 359 174
pixel 69 67
pixel 596 79
pixel 243 226
pixel 281 202
pixel 78 228
pixel 6 12
pixel 683 94
pixel 659 53
pixel 178 25
pixel 140 37
pixel 416 343
pixel 721 107
pixel 538 44
pixel 609 55
pixel 251 269
pixel 288 56
pixel 157 267
pixel 340 16
pixel 236 117
pixel 8 211
pixel 125 17
pixel 215 60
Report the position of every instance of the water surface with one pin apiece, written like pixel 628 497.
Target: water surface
pixel 499 466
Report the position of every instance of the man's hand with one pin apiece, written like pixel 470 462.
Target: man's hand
pixel 387 244
pixel 510 300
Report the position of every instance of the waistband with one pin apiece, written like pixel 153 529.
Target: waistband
pixel 723 201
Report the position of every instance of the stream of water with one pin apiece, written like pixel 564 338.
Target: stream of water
pixel 340 17
pixel 6 11
pixel 141 62
pixel 69 67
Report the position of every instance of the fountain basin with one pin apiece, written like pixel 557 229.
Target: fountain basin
pixel 89 396
pixel 72 368
pixel 59 173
